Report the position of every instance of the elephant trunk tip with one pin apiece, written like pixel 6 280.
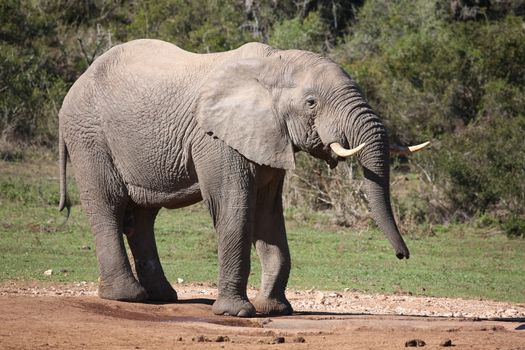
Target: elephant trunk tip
pixel 403 254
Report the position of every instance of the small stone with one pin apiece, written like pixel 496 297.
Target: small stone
pixel 265 321
pixel 200 339
pixel 415 343
pixel 446 343
pixel 278 340
pixel 299 340
pixel 221 339
pixel 320 298
pixel 180 280
pixel 48 272
pixel 86 247
pixel 179 339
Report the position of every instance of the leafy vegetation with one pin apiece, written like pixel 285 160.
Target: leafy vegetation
pixel 449 71
pixel 453 261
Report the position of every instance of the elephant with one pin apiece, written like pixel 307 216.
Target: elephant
pixel 149 125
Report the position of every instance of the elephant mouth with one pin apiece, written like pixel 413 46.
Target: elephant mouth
pixel 332 163
pixel 323 152
pixel 315 147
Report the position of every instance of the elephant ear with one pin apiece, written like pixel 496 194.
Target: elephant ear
pixel 235 105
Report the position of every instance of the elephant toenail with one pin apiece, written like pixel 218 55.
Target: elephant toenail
pixel 244 313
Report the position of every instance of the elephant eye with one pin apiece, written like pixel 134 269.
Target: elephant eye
pixel 311 102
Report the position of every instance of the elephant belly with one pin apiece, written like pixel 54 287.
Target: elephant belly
pixel 179 198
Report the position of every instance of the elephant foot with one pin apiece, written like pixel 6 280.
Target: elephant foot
pixel 162 291
pixel 233 307
pixel 272 306
pixel 122 289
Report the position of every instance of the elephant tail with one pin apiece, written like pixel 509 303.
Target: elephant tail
pixel 65 202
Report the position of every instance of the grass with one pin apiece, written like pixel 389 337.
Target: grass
pixel 456 261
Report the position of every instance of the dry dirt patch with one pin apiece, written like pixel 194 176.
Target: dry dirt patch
pixel 71 316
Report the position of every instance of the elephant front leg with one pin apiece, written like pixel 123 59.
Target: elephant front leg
pixel 234 267
pixel 275 261
pixel 227 184
pixel 272 249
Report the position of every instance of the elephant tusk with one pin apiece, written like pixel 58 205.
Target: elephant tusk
pixel 404 151
pixel 343 152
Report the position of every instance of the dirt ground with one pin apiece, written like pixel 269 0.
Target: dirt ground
pixel 71 316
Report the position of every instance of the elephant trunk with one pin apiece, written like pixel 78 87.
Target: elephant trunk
pixel 360 125
pixel 356 124
pixel 375 160
pixel 382 213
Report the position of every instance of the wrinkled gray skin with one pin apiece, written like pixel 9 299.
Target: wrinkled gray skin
pixel 149 125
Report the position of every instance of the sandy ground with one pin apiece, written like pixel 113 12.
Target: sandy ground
pixel 71 316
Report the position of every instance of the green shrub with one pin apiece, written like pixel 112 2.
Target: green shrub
pixel 197 26
pixel 36 70
pixel 298 33
pixel 483 167
pixel 514 226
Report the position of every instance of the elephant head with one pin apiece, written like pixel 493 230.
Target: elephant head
pixel 269 107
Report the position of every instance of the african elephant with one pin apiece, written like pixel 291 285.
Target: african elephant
pixel 149 125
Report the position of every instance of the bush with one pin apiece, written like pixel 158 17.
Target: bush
pixel 197 26
pixel 298 33
pixel 484 166
pixel 40 57
pixel 514 226
pixel 315 186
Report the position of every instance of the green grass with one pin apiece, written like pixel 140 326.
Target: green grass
pixel 457 261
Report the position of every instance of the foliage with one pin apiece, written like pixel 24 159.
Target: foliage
pixel 484 165
pixel 43 50
pixel 26 77
pixel 300 33
pixel 199 26
pixel 514 226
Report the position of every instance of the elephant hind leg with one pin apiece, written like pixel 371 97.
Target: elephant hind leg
pixel 138 225
pixel 104 199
